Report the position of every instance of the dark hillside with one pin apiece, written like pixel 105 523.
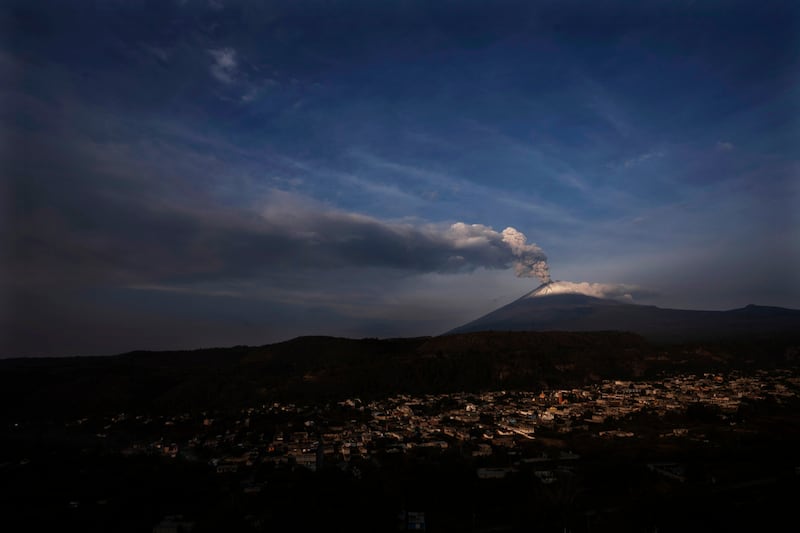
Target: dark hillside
pixel 318 368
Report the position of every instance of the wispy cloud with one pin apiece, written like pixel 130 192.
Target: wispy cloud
pixel 242 80
pixel 157 52
pixel 185 290
pixel 724 146
pixel 225 65
pixel 437 181
pixel 642 158
pixel 543 162
pixel 390 191
pixel 433 177
pixel 599 99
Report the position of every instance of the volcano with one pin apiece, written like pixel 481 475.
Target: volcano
pixel 568 306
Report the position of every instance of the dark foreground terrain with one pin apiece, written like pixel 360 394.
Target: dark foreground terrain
pixel 478 432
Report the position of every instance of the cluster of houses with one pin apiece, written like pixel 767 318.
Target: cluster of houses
pixel 478 425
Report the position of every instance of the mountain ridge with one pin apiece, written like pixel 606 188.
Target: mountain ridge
pixel 560 306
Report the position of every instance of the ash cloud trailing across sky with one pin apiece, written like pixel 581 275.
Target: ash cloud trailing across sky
pixel 329 238
pixel 184 245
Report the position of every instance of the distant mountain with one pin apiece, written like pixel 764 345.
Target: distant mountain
pixel 566 306
pixel 555 336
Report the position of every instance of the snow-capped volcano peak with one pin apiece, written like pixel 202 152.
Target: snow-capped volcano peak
pixel 596 290
pixel 570 306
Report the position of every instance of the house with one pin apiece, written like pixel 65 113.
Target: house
pixel 674 471
pixel 306 460
pixel 545 476
pixel 494 473
pixel 173 524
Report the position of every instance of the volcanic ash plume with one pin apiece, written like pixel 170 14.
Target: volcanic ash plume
pixel 530 259
pixel 476 245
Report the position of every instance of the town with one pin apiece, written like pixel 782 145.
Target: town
pixel 503 424
pixel 648 453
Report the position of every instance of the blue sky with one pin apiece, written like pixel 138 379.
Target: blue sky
pixel 181 174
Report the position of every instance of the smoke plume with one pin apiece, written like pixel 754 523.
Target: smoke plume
pixel 479 245
pixel 531 261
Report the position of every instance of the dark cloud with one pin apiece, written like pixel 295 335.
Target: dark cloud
pixel 129 242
